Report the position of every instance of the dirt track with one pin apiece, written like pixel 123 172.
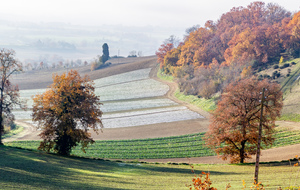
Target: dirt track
pixel 168 129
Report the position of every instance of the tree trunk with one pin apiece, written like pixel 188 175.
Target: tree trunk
pixel 1 114
pixel 1 128
pixel 242 152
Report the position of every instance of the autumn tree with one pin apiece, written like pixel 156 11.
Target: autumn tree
pixel 233 131
pixel 162 51
pixel 255 35
pixel 9 94
pixel 65 112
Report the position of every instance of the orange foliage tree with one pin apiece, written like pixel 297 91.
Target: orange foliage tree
pixel 255 36
pixel 162 51
pixel 234 125
pixel 65 112
pixel 257 32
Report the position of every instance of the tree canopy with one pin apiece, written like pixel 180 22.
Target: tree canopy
pixel 233 131
pixel 66 111
pixel 9 94
pixel 254 36
pixel 105 53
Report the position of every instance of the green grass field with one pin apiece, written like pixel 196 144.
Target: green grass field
pixel 205 104
pixel 13 132
pixel 163 76
pixel 192 145
pixel 290 117
pixel 23 169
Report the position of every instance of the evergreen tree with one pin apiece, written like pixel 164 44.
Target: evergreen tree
pixel 105 55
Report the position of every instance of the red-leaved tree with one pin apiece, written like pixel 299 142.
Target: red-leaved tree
pixel 233 131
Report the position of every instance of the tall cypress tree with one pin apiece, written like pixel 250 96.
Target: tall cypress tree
pixel 105 55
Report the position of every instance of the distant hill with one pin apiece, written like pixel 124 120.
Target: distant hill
pixel 42 78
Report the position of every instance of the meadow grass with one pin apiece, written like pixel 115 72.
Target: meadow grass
pixel 205 104
pixel 290 117
pixel 13 132
pixel 164 76
pixel 23 169
pixel 208 105
pixel 183 146
pixel 290 81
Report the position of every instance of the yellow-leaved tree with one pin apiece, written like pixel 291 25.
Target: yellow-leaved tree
pixel 65 112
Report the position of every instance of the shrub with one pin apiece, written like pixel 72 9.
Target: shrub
pixel 204 183
pixel 293 63
pixel 278 75
pixel 274 74
pixel 266 76
pixel 275 67
pixel 284 66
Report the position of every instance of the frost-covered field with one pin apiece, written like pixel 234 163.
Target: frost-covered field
pixel 132 90
pixel 152 116
pixel 136 104
pixel 129 99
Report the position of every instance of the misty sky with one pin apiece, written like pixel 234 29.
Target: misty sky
pixel 173 13
pixel 140 25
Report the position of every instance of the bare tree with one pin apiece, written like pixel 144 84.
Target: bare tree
pixel 9 94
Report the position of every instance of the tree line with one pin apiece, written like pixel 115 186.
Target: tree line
pixel 241 41
pixel 222 57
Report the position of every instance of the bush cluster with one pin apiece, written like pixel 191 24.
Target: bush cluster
pixel 284 66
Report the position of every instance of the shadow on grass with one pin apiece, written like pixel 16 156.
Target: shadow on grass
pixel 182 171
pixel 23 169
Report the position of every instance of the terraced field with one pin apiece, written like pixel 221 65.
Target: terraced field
pixel 129 99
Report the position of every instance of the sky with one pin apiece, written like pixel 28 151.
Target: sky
pixel 152 20
pixel 170 13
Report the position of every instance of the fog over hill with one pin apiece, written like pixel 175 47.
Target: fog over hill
pixel 40 41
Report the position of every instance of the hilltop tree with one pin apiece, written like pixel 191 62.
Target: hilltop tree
pixel 105 51
pixel 233 131
pixel 162 52
pixel 9 94
pixel 65 112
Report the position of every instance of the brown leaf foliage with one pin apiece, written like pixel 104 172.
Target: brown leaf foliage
pixel 66 111
pixel 254 36
pixel 234 124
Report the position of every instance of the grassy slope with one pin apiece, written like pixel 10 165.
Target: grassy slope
pixel 13 132
pixel 290 87
pixel 206 105
pixel 22 169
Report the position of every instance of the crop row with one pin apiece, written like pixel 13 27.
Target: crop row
pixel 192 145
